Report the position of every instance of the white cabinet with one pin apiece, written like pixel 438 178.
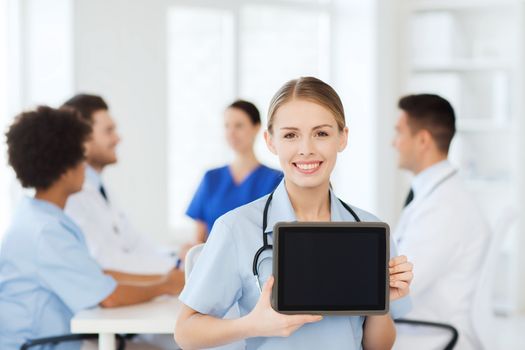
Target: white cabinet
pixel 471 52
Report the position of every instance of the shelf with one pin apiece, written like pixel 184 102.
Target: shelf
pixel 461 66
pixel 456 5
pixel 470 52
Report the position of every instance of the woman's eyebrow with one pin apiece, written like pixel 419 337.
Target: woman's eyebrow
pixel 322 126
pixel 314 128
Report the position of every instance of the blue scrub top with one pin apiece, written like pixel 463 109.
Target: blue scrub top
pixel 223 275
pixel 46 275
pixel 218 193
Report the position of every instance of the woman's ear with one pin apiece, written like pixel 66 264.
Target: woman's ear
pixel 343 139
pixel 269 141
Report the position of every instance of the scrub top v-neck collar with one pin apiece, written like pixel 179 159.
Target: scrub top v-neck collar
pixel 246 178
pixel 281 208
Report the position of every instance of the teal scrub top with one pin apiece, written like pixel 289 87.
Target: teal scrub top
pixel 218 193
pixel 46 276
pixel 223 275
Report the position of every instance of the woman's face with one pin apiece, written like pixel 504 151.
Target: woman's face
pixel 307 139
pixel 239 130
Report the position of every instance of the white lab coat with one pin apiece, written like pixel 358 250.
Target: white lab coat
pixel 110 237
pixel 444 234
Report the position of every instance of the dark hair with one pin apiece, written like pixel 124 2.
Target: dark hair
pixel 248 108
pixel 86 105
pixel 43 144
pixel 432 113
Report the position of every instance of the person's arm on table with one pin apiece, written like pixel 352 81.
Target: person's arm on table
pixel 128 294
pixel 132 278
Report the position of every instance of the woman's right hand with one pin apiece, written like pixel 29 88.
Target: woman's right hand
pixel 264 321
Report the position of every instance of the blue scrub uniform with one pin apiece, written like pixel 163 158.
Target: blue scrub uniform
pixel 223 275
pixel 46 276
pixel 218 193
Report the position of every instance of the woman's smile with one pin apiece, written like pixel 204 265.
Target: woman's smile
pixel 307 167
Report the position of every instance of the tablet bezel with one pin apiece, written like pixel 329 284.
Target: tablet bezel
pixel 351 225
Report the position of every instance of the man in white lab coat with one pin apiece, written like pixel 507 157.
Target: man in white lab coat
pixel 441 229
pixel 110 237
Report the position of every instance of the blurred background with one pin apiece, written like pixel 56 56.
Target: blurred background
pixel 168 68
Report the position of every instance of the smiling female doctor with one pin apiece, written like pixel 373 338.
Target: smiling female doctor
pixel 306 129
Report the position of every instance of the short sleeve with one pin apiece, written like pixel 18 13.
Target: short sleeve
pixel 196 207
pixel 66 268
pixel 215 284
pixel 400 307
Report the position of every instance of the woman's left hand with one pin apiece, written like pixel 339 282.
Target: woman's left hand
pixel 401 275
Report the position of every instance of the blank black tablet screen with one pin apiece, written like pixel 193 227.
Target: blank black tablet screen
pixel 334 268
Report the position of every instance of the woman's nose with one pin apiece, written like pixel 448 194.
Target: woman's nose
pixel 306 146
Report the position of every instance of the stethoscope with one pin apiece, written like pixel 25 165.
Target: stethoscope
pixel 267 246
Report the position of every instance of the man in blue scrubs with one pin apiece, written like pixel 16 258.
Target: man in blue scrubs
pixel 46 272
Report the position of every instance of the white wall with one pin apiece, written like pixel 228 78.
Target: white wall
pixel 520 112
pixel 392 184
pixel 120 53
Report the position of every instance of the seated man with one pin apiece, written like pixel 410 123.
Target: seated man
pixel 110 237
pixel 46 271
pixel 441 229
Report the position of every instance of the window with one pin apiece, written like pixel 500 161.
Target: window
pixel 44 76
pixel 246 49
pixel 49 66
pixel 8 96
pixel 278 44
pixel 200 81
pixel 3 114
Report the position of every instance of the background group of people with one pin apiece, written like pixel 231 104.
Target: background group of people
pixel 71 247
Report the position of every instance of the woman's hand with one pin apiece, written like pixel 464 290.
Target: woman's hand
pixel 401 275
pixel 264 321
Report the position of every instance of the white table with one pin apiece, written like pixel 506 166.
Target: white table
pixel 158 316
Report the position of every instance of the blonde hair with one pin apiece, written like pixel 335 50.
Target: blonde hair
pixel 309 89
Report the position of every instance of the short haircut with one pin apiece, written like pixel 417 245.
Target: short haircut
pixel 432 113
pixel 248 108
pixel 43 144
pixel 86 105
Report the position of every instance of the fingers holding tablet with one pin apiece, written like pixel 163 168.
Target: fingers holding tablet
pixel 267 322
pixel 401 275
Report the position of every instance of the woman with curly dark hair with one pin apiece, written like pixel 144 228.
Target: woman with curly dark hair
pixel 46 272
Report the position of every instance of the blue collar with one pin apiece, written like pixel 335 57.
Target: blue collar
pixel 281 208
pixel 52 210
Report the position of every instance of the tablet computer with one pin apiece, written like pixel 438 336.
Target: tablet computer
pixel 331 268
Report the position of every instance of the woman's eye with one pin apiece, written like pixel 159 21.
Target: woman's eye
pixel 322 133
pixel 289 135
